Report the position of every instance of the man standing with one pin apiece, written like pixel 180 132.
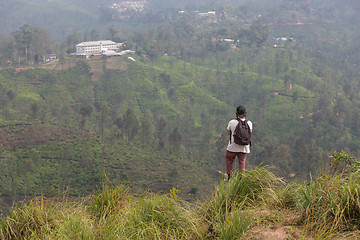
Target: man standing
pixel 233 149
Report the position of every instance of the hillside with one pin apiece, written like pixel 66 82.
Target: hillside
pixel 159 121
pixel 37 154
pixel 107 113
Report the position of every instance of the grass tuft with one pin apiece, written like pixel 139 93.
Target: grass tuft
pixel 333 199
pixel 235 224
pixel 110 199
pixel 34 219
pixel 241 192
pixel 258 185
pixel 155 217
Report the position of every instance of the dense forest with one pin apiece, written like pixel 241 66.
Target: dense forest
pixel 160 121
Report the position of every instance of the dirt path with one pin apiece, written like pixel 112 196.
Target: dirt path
pixel 274 224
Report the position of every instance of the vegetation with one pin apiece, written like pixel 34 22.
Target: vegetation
pixel 158 121
pixel 323 208
pixel 117 116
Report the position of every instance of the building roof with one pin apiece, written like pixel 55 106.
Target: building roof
pixel 91 43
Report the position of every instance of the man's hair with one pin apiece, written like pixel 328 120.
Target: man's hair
pixel 241 111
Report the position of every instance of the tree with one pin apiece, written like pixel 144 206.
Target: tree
pixel 147 128
pixel 172 95
pixel 31 43
pixel 287 83
pixel 7 50
pixel 300 153
pixel 257 33
pixel 166 79
pixel 295 97
pixel 183 30
pixel 175 140
pixel 341 106
pixel 41 45
pixel 8 168
pixel 104 115
pixel 160 127
pixel 34 110
pixel 85 111
pixel 24 39
pixel 152 50
pixel 71 42
pixel 131 124
pixel 355 123
pixel 119 122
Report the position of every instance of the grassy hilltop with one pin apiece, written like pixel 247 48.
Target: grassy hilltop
pixel 257 205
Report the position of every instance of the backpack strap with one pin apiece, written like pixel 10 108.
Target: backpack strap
pixel 230 136
pixel 246 121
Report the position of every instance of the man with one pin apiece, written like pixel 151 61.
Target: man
pixel 235 150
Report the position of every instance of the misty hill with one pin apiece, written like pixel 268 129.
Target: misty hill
pixel 65 17
pixel 57 17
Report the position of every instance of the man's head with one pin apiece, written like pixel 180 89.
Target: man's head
pixel 241 111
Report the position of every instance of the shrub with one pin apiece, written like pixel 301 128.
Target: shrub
pixel 234 225
pixel 331 199
pixel 110 199
pixel 35 219
pixel 154 217
pixel 231 198
pixel 244 190
pixel 48 219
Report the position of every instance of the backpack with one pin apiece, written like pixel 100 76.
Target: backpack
pixel 242 133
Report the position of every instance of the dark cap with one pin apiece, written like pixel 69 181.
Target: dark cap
pixel 241 111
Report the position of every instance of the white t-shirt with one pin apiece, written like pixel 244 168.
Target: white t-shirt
pixel 233 147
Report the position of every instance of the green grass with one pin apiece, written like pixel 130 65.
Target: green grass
pixel 250 206
pixel 108 201
pixel 257 185
pixel 153 217
pixel 333 200
pixel 47 219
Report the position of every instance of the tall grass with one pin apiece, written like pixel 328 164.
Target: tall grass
pixel 47 219
pixel 234 225
pixel 34 219
pixel 333 199
pixel 226 207
pixel 154 217
pixel 329 206
pixel 109 200
pixel 74 223
pixel 257 185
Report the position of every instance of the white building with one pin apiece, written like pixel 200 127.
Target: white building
pixel 130 5
pixel 96 47
pixel 207 14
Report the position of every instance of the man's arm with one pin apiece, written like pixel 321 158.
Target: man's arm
pixel 228 132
